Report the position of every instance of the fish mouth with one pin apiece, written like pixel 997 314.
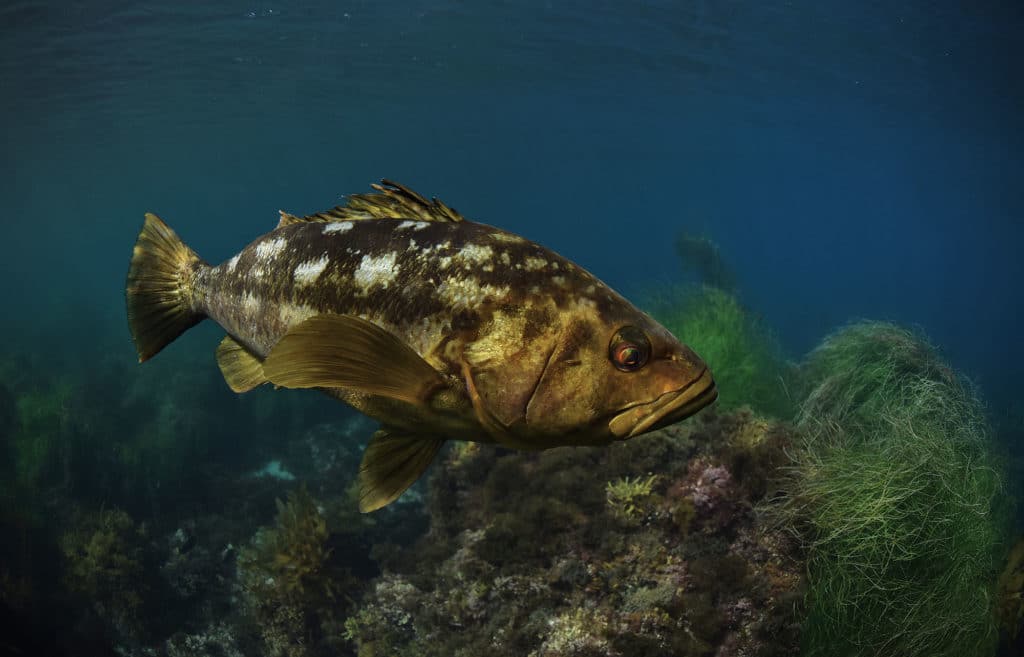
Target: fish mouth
pixel 666 409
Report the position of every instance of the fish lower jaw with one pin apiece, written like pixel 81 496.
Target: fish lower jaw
pixel 665 410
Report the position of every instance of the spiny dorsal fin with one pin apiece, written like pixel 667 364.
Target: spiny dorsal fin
pixel 394 459
pixel 390 201
pixel 241 369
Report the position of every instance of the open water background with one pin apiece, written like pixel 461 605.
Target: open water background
pixel 852 159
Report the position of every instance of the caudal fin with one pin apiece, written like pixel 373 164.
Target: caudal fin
pixel 158 291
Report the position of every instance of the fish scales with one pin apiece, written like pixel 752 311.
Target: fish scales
pixel 418 279
pixel 438 327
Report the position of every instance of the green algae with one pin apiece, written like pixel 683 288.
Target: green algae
pixel 703 259
pixel 41 431
pixel 104 565
pixel 1010 593
pixel 896 493
pixel 296 592
pixel 744 358
pixel 629 497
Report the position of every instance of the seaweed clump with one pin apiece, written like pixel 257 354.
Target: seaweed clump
pixel 896 495
pixel 627 495
pixel 572 552
pixel 295 591
pixel 746 360
pixel 1010 600
pixel 104 565
pixel 702 259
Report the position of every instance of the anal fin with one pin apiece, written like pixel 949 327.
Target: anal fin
pixel 241 369
pixel 392 462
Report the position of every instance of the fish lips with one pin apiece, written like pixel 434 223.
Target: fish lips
pixel 667 409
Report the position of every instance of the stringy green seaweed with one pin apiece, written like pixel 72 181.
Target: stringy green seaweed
pixel 744 357
pixel 896 494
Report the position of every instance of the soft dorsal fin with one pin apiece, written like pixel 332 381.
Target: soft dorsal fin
pixel 394 459
pixel 390 201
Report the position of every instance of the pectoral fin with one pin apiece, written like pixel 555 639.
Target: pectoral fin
pixel 241 369
pixel 343 351
pixel 392 462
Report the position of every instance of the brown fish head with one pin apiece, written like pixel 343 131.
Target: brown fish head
pixel 615 373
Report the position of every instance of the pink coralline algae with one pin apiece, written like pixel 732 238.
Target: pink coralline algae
pixel 711 491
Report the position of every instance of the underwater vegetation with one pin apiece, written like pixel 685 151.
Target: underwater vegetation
pixel 626 496
pixel 896 495
pixel 707 314
pixel 702 259
pixel 42 415
pixel 1010 594
pixel 293 585
pixel 846 505
pixel 747 362
pixel 104 555
pixel 567 553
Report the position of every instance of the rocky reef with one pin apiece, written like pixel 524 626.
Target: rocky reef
pixel 851 504
pixel 570 553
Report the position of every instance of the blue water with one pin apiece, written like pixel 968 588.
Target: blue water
pixel 852 159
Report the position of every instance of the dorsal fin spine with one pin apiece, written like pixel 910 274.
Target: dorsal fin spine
pixel 389 200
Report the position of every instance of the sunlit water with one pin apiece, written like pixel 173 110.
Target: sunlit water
pixel 852 160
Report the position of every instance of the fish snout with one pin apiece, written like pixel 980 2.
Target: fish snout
pixel 667 409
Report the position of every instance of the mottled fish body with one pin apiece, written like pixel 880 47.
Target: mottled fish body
pixel 440 328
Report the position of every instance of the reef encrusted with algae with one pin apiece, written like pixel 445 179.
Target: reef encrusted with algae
pixel 651 547
pixel 127 541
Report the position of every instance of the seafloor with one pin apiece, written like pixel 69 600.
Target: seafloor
pixel 178 519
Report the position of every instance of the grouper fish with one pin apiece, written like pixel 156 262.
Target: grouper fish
pixel 438 327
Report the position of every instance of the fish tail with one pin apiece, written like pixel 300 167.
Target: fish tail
pixel 159 291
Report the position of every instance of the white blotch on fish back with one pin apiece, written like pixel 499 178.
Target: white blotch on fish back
pixel 232 264
pixel 442 246
pixel 535 264
pixel 307 272
pixel 507 237
pixel 505 259
pixel 415 225
pixel 338 227
pixel 474 254
pixel 459 293
pixel 585 303
pixel 558 280
pixel 379 270
pixel 270 248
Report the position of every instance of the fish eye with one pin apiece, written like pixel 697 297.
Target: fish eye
pixel 629 349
